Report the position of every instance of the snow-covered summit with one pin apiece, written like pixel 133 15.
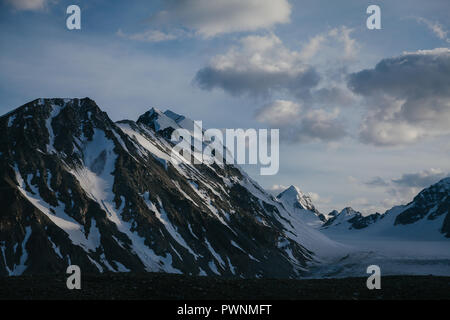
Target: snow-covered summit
pixel 300 204
pixel 294 197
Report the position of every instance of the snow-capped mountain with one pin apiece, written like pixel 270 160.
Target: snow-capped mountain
pixel 349 219
pixel 77 188
pixel 411 239
pixel 427 216
pixel 300 204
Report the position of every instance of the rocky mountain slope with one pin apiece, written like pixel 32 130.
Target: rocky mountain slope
pixel 77 188
pixel 427 216
pixel 349 219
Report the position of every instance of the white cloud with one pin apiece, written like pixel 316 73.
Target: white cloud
pixel 29 4
pixel 211 18
pixel 311 48
pixel 260 65
pixel 150 35
pixel 279 112
pixel 316 198
pixel 336 42
pixel 437 28
pixel 302 124
pixel 408 97
pixel 321 125
pixel 276 189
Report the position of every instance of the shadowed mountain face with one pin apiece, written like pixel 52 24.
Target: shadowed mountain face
pixel 349 219
pixel 77 188
pixel 427 216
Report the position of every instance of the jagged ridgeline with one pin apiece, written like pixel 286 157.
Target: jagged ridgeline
pixel 78 188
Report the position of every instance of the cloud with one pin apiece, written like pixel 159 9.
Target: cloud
pixel 276 189
pixel 211 18
pixel 437 28
pixel 259 66
pixel 150 35
pixel 343 35
pixel 279 112
pixel 336 42
pixel 421 179
pixel 319 125
pixel 403 189
pixel 302 124
pixel 29 4
pixel 377 182
pixel 408 97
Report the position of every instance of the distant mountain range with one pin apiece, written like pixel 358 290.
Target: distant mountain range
pixel 427 216
pixel 78 188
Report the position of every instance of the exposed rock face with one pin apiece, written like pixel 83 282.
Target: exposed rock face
pixel 77 188
pixel 350 219
pixel 431 203
pixel 426 217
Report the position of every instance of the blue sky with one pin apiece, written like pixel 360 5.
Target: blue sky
pixel 353 134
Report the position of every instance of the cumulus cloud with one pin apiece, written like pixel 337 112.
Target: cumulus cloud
pixel 319 125
pixel 262 65
pixel 210 18
pixel 408 97
pixel 279 112
pixel 298 123
pixel 29 4
pixel 259 66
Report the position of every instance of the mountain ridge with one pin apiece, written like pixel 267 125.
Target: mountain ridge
pixel 108 197
pixel 78 188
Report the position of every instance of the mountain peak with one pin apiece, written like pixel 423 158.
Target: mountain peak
pixel 349 211
pixel 299 203
pixel 174 116
pixel 157 120
pixel 41 102
pixel 294 197
pixel 85 190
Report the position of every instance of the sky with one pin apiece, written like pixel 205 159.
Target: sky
pixel 364 115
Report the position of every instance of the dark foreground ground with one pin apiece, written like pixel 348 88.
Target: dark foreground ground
pixel 165 286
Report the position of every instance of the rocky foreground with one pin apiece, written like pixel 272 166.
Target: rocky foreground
pixel 151 286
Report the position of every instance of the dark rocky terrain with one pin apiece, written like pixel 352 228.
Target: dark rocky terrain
pixel 150 286
pixel 78 188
